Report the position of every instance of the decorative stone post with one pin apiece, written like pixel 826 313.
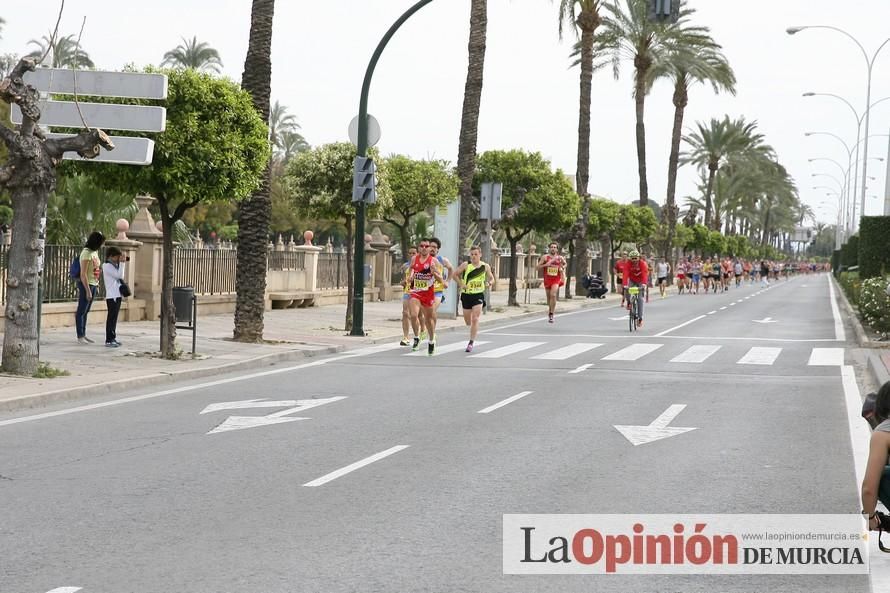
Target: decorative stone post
pixel 148 258
pixel 310 261
pixel 130 250
pixel 382 277
pixel 370 260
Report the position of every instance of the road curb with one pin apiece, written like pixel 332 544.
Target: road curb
pixel 876 366
pixel 61 395
pixel 878 369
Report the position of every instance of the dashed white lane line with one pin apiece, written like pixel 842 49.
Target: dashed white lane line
pixel 503 403
pixel 722 308
pixel 580 369
pixel 712 312
pixel 354 466
pixel 676 327
pixel 65 590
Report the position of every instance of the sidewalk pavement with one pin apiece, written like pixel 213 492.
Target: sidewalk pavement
pixel 290 334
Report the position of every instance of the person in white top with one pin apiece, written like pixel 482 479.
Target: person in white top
pixel 112 275
pixel 662 269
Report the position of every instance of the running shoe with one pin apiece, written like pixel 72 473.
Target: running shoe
pixel 431 349
pixel 469 347
pixel 88 341
pixel 550 317
pixel 416 344
pixel 404 342
pixel 639 323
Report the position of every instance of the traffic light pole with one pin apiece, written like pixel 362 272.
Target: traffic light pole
pixel 358 292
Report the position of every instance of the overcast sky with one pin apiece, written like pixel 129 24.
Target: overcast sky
pixel 530 96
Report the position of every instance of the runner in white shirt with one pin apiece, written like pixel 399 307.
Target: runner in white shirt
pixel 662 269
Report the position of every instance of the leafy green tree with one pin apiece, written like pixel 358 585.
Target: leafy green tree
pixel 65 52
pixel 634 225
pixel 78 207
pixel 602 224
pixel 320 184
pixel 195 55
pixel 415 187
pixel 535 198
pixel 255 213
pixel 214 149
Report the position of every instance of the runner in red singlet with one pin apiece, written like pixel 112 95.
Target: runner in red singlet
pixel 552 265
pixel 422 277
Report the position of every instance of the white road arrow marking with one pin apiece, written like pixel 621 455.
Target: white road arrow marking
pixel 765 320
pixel 657 430
pixel 249 403
pixel 241 422
pixel 65 590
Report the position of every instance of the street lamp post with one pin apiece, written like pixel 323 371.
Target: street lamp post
pixel 870 62
pixel 838 238
pixel 846 194
pixel 358 269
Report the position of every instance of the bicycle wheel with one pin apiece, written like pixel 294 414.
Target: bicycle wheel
pixel 631 314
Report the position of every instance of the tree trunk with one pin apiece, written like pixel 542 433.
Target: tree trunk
pixel 20 348
pixel 469 121
pixel 350 277
pixel 168 314
pixel 681 99
pixel 712 173
pixel 255 213
pixel 640 100
pixel 511 294
pixel 588 21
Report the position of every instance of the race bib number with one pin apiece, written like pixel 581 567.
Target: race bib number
pixel 421 283
pixel 475 285
pixel 552 271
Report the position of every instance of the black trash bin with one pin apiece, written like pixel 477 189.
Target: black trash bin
pixel 182 302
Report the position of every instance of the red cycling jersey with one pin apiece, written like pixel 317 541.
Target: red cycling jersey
pixel 636 272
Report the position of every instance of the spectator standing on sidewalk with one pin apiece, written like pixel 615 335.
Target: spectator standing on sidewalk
pixel 112 274
pixel 88 284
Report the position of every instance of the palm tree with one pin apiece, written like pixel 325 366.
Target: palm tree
pixel 292 142
pixel 583 17
pixel 713 144
pixel 628 34
pixel 469 119
pixel 193 54
pixel 687 64
pixel 255 213
pixel 65 52
pixel 280 121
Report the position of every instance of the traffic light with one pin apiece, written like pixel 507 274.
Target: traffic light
pixel 364 184
pixel 664 11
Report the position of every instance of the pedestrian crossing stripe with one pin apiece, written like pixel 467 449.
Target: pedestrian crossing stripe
pixel 696 354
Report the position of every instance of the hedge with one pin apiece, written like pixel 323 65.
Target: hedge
pixel 874 246
pixel 836 262
pixel 852 286
pixel 850 252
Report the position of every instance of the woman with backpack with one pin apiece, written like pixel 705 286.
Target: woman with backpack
pixel 90 269
pixel 876 484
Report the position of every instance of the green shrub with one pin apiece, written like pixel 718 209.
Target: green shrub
pixel 852 286
pixel 874 246
pixel 836 262
pixel 874 304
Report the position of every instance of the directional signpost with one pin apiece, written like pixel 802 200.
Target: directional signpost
pixel 106 116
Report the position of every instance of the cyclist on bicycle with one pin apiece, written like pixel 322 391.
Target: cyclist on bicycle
pixel 636 273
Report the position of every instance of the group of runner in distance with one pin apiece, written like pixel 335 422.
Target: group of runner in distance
pixel 427 275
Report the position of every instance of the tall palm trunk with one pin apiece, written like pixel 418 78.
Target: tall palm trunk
pixel 588 21
pixel 642 66
pixel 469 121
pixel 681 99
pixel 254 214
pixel 712 173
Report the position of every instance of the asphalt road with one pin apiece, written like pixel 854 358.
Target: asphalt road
pixel 152 495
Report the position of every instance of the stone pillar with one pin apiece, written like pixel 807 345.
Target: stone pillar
pixel 370 260
pixel 495 268
pixel 310 264
pixel 148 258
pixel 382 277
pixel 520 270
pixel 130 249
